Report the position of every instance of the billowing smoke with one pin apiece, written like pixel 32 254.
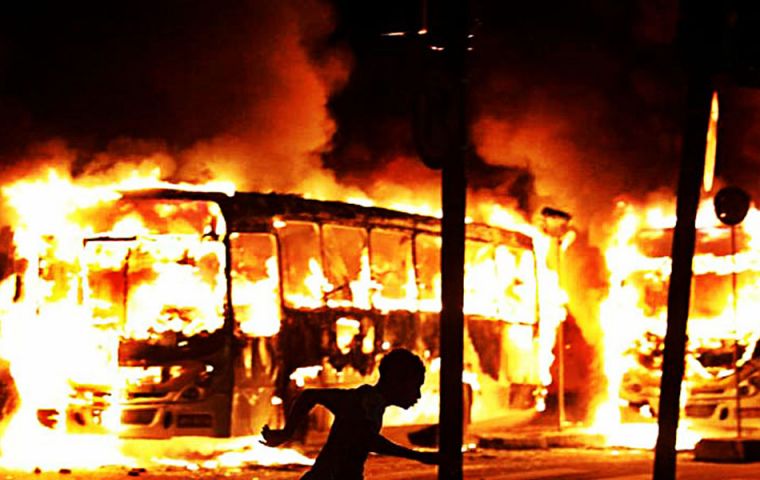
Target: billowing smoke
pixel 579 99
pixel 236 91
pixel 271 93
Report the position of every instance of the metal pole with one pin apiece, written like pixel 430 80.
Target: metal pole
pixel 452 322
pixel 454 186
pixel 699 95
pixel 560 349
pixel 556 224
pixel 737 380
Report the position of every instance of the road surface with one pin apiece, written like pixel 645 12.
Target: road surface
pixel 561 463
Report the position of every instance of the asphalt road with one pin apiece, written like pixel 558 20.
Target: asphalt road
pixel 561 463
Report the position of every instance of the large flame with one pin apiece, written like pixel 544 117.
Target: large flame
pixel 54 340
pixel 77 251
pixel 634 314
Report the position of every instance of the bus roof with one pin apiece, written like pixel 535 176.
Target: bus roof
pixel 252 211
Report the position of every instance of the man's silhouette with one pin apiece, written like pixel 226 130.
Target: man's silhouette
pixel 358 418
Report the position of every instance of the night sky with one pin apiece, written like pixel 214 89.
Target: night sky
pixel 573 103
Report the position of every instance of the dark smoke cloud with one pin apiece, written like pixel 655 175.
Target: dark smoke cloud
pixel 573 104
pixel 588 94
pixel 584 96
pixel 235 87
pixel 738 156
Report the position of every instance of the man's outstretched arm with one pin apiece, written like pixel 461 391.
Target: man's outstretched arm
pixel 383 446
pixel 298 413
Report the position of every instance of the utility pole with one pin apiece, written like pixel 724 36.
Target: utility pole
pixel 700 50
pixel 442 138
pixel 731 207
pixel 453 28
pixel 689 184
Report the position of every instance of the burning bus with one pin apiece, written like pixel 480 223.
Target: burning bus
pixel 639 262
pixel 173 312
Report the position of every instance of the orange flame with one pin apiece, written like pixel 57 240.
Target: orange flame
pixel 83 233
pixel 633 316
pixel 712 144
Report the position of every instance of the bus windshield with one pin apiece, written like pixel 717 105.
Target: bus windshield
pixel 157 288
pixel 160 288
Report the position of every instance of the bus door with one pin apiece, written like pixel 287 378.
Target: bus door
pixel 255 293
pixel 517 293
pixel 395 295
pixel 304 334
pixel 353 323
pixel 500 303
pixel 483 349
pixel 427 260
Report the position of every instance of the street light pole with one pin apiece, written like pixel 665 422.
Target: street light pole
pixel 737 379
pixel 560 349
pixel 731 206
pixel 442 133
pixel 679 289
pixel 442 138
pixel 556 224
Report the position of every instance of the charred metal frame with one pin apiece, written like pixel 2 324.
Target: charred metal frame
pixel 254 213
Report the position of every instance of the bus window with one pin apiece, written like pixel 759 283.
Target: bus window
pixel 175 285
pixel 347 266
pixel 392 269
pixel 516 283
pixel 480 291
pixel 304 282
pixel 428 268
pixel 255 284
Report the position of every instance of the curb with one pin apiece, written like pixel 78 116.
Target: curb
pixel 542 441
pixel 514 443
pixel 727 450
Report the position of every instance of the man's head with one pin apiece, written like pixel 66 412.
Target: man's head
pixel 402 374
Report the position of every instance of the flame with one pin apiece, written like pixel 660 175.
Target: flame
pixel 260 316
pixel 65 246
pixel 634 315
pixel 94 267
pixel 712 144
